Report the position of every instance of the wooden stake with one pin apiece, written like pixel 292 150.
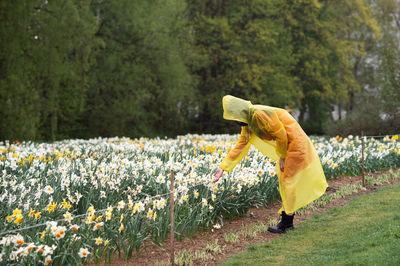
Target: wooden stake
pixel 172 219
pixel 362 156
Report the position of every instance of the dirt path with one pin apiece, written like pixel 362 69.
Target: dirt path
pixel 150 254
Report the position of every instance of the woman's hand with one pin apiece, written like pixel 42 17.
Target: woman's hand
pixel 282 164
pixel 218 175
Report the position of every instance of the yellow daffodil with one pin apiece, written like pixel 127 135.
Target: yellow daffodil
pixel 99 241
pixel 37 215
pixel 51 207
pixel 31 213
pixel 65 204
pixel 150 214
pixel 91 210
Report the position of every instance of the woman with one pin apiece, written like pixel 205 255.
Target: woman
pixel 275 133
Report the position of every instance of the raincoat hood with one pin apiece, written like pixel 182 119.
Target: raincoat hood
pixel 236 109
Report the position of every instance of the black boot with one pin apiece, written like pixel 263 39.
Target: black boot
pixel 285 224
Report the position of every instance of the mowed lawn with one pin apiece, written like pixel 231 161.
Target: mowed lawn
pixel 364 232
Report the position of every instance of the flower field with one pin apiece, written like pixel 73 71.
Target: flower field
pixel 75 201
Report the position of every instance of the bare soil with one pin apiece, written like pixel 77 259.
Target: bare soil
pixel 150 254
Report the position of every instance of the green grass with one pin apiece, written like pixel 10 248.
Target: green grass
pixel 364 232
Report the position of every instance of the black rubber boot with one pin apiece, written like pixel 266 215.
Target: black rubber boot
pixel 285 224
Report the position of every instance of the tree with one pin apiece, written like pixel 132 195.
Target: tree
pixel 46 53
pixel 19 97
pixel 248 53
pixel 388 51
pixel 142 74
pixel 328 51
pixel 63 53
pixel 374 108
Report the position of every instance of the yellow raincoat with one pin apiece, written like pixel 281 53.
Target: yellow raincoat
pixel 275 133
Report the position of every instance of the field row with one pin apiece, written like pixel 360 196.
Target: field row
pixel 80 200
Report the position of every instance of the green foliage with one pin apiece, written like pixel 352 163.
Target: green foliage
pixel 186 257
pixel 375 109
pixel 79 69
pixel 231 237
pixel 248 55
pixel 46 53
pixel 327 54
pixel 388 73
pixel 213 247
pixel 19 98
pixel 141 77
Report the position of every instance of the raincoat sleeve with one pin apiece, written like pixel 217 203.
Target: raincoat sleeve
pixel 271 125
pixel 238 152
